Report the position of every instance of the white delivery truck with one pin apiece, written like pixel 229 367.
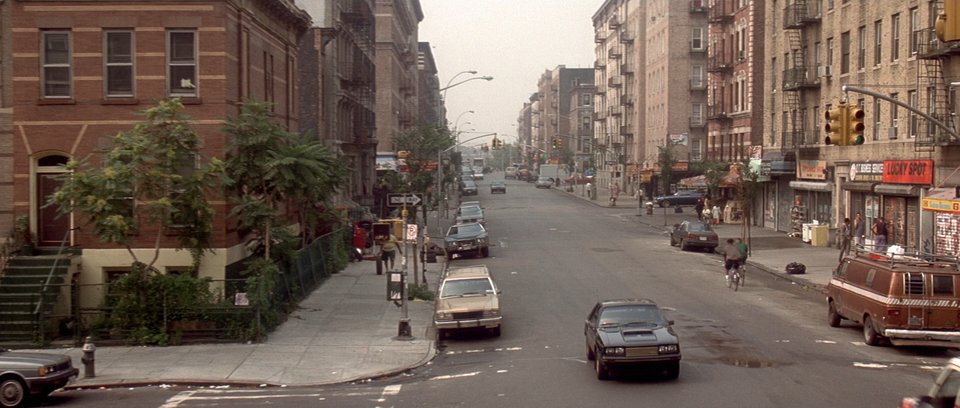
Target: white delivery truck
pixel 550 170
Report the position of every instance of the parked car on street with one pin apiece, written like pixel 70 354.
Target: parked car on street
pixel 25 376
pixel 694 234
pixel 469 238
pixel 897 299
pixel 631 332
pixel 943 392
pixel 468 187
pixel 469 214
pixel 468 298
pixel 510 172
pixel 498 187
pixel 543 182
pixel 682 197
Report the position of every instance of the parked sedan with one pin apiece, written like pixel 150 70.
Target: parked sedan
pixel 943 392
pixel 468 187
pixel 694 234
pixel 544 182
pixel 498 187
pixel 631 332
pixel 469 238
pixel 682 197
pixel 26 375
pixel 469 214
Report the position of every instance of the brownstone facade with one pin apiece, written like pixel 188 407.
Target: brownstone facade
pixel 84 70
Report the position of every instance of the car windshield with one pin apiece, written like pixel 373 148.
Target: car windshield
pixel 470 229
pixel 466 287
pixel 631 315
pixel 469 183
pixel 699 227
pixel 471 211
pixel 498 184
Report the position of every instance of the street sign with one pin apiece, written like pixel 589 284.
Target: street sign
pixel 398 200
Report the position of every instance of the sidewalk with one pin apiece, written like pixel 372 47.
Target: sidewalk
pixel 344 331
pixel 770 250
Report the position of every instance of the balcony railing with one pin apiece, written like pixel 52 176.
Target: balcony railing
pixel 698 6
pixel 698 84
pixel 930 47
pixel 800 77
pixel 626 131
pixel 800 13
pixel 599 38
pixel 626 37
pixel 719 63
pixel 626 69
pixel 718 114
pixel 614 111
pixel 599 65
pixel 598 116
pixel 721 11
pixel 626 100
pixel 614 53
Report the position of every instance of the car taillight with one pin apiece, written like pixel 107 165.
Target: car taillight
pixel 909 403
pixel 691 236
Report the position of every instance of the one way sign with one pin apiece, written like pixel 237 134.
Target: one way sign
pixel 398 200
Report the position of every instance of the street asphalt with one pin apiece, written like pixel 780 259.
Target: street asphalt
pixel 346 330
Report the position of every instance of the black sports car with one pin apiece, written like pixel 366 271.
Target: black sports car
pixel 682 197
pixel 631 332
pixel 498 187
pixel 467 238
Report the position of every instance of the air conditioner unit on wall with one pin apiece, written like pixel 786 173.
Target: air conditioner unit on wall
pixel 824 71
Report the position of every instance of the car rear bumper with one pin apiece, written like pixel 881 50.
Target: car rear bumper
pixel 487 322
pixel 927 338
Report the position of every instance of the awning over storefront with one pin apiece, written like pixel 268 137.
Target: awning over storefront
pixel 811 186
pixel 859 186
pixel 897 189
pixel 694 182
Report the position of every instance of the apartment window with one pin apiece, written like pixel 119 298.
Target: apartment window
pixel 586 99
pixel 894 117
pixel 182 62
pixel 696 76
pixel 118 63
pixel 895 37
pixel 829 4
pixel 845 52
pixel 696 113
pixel 913 100
pixel 878 39
pixel 876 119
pixel 862 48
pixel 56 64
pixel 585 123
pixel 830 51
pixel 914 30
pixel 268 80
pixel 696 38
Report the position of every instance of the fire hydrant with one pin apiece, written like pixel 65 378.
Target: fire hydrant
pixel 89 359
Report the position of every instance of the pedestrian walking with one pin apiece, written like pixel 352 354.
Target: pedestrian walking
pixel 880 234
pixel 846 235
pixel 614 193
pixel 388 251
pixel 699 208
pixel 859 229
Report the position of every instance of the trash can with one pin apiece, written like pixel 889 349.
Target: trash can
pixel 819 235
pixel 805 232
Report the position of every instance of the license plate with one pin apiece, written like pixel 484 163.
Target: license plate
pixel 703 238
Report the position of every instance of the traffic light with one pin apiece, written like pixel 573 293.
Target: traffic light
pixel 947 27
pixel 554 145
pixel 560 143
pixel 855 125
pixel 836 125
pixel 497 144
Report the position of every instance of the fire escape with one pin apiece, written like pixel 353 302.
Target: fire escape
pixel 720 69
pixel 357 74
pixel 933 91
pixel 798 76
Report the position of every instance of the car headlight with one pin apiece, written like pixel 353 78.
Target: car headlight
pixel 669 349
pixel 46 370
pixel 443 316
pixel 613 351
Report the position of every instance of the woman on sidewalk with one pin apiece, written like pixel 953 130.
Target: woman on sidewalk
pixel 614 193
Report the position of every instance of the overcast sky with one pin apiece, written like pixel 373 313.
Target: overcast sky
pixel 514 41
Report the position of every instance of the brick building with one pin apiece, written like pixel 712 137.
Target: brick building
pixel 6 122
pixel 397 52
pixel 83 71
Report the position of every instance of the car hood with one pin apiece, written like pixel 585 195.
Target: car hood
pixel 629 336
pixel 468 303
pixel 11 359
pixel 456 237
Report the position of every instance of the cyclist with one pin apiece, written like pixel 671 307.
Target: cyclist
pixel 731 257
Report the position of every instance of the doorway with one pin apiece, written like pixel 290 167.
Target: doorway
pixel 51 226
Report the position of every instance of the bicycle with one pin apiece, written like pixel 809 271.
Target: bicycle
pixel 735 277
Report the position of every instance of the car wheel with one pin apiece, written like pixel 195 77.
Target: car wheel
pixel 673 370
pixel 449 256
pixel 441 333
pixel 683 245
pixel 590 355
pixel 870 335
pixel 833 318
pixel 665 203
pixel 13 393
pixel 602 372
pixel 485 251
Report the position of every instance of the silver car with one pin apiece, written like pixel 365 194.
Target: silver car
pixel 543 182
pixel 24 375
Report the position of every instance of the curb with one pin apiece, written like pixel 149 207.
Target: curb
pixel 431 353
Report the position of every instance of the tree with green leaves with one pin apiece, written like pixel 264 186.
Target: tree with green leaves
pixel 713 172
pixel 271 174
pixel 422 144
pixel 666 160
pixel 150 175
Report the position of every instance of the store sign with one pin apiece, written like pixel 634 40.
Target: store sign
pixel 934 204
pixel 681 166
pixel 868 171
pixel 908 171
pixel 812 169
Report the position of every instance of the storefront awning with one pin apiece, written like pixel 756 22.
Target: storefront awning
pixel 860 186
pixel 694 182
pixel 811 186
pixel 897 189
